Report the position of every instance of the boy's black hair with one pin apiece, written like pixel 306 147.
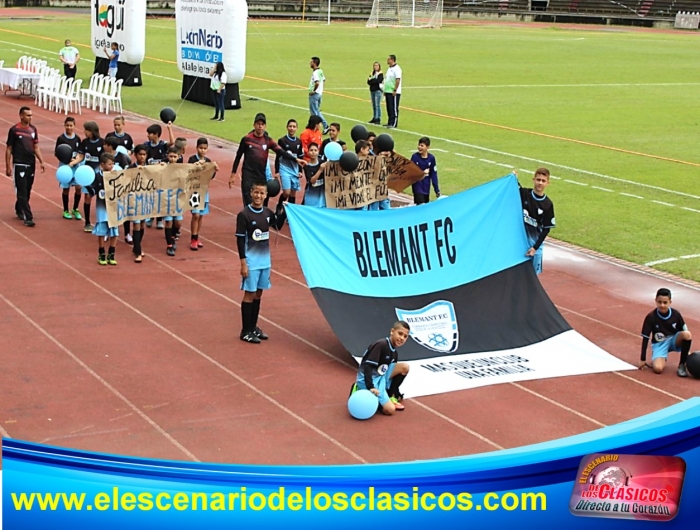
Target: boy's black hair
pixel 335 124
pixel 69 119
pixel 291 120
pixel 401 324
pixel 359 145
pixel 202 141
pixel 112 142
pixel 371 134
pixel 424 140
pixel 140 148
pixel 314 144
pixel 317 60
pixel 261 184
pixel 173 149
pixel 154 129
pixel 663 292
pixel 106 156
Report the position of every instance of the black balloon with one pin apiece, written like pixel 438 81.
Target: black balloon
pixel 359 132
pixel 273 188
pixel 349 161
pixel 64 153
pixel 383 143
pixel 167 115
pixel 692 364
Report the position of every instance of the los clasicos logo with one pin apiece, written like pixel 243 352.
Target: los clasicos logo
pixel 628 487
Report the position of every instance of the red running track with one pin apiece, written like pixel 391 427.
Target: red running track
pixel 145 359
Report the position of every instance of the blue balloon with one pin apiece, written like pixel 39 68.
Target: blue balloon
pixel 84 175
pixel 122 149
pixel 333 151
pixel 362 404
pixel 64 174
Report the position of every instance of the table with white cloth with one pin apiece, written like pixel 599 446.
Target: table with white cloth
pixel 18 80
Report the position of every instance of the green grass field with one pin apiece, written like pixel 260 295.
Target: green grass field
pixel 491 97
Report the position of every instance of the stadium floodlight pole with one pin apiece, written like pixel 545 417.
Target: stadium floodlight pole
pixel 413 15
pixel 329 12
pixel 303 10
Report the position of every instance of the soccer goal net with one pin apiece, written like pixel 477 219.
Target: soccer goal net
pixel 406 13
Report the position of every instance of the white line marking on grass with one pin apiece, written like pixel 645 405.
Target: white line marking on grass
pixel 89 370
pixel 663 203
pixel 487 161
pixel 659 261
pixel 690 209
pixel 575 182
pixel 465 156
pixel 440 150
pixel 630 195
pixel 602 189
pixel 690 256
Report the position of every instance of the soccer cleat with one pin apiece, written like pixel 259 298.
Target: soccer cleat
pixel 111 260
pixel 29 222
pixel 353 389
pixel 102 259
pixel 199 244
pixel 193 245
pixel 682 371
pixel 77 216
pixel 176 235
pixel 250 337
pixel 214 118
pixel 174 245
pixel 88 228
pixel 259 333
pixel 67 215
pixel 170 251
pixel 397 404
pixel 138 259
pixel 149 223
pixel 129 240
pixel 222 119
pixel 160 225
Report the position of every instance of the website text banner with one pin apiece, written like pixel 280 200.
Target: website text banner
pixel 161 190
pixel 528 487
pixel 411 251
pixel 120 21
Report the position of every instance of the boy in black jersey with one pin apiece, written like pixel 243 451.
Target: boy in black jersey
pixel 253 238
pixel 124 138
pixel 381 373
pixel 158 152
pixel 287 171
pixel 538 214
pixel 141 155
pixel 668 332
pixel 196 224
pixel 73 140
pixel 89 151
pixel 102 229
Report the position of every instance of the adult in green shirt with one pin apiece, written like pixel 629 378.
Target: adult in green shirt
pixel 69 56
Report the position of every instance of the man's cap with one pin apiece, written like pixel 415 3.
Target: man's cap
pixel 260 117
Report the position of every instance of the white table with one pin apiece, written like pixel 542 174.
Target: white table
pixel 19 80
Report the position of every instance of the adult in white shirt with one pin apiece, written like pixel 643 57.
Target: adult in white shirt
pixel 392 91
pixel 316 91
pixel 218 85
pixel 69 56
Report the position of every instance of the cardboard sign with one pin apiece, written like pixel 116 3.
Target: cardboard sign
pixel 402 172
pixel 156 191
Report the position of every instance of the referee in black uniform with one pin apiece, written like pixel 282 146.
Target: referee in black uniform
pixel 20 162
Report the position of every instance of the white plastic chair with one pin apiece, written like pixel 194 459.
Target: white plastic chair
pixel 51 86
pixel 72 96
pixel 86 93
pixel 22 62
pixel 2 87
pixel 99 90
pixel 55 97
pixel 113 96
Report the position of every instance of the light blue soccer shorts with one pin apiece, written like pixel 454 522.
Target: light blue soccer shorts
pixel 290 179
pixel 661 349
pixel 380 382
pixel 257 279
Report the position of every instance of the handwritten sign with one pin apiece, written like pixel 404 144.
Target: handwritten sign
pixel 156 191
pixel 402 172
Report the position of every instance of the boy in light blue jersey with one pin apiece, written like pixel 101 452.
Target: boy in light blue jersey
pixel 288 170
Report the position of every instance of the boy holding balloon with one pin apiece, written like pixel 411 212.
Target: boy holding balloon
pixel 71 141
pixel 381 372
pixel 102 229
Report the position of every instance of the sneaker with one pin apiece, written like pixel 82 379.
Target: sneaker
pixel 77 216
pixel 259 333
pixel 170 251
pixel 176 235
pixel 29 222
pixel 129 240
pixel 353 389
pixel 326 130
pixel 250 337
pixel 397 404
pixel 67 215
pixel 111 260
pixel 682 371
pixel 88 228
pixel 214 118
pixel 160 225
pixel 175 245
pixel 138 259
pixel 19 216
pixel 149 223
pixel 199 244
pixel 193 245
pixel 390 126
pixel 222 119
pixel 102 259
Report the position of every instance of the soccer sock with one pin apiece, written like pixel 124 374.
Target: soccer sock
pixel 76 201
pixel 292 200
pixel 195 237
pixel 111 250
pixel 247 316
pixel 256 312
pixel 685 348
pixel 137 242
pixel 65 202
pixel 86 210
pixel 127 227
pixel 395 384
pixel 169 236
pixel 102 251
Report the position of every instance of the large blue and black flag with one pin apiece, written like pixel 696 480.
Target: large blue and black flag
pixel 456 271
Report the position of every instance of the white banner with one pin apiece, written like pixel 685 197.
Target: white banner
pixel 120 21
pixel 211 31
pixel 568 353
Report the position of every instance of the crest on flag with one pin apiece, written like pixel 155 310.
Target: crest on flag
pixel 433 326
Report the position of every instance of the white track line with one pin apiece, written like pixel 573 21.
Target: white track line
pixel 94 374
pixel 560 405
pixel 193 348
pixel 4 433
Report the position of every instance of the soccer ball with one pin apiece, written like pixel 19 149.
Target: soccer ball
pixel 195 200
